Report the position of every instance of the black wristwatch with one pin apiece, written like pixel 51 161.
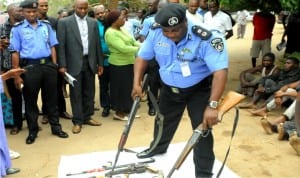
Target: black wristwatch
pixel 213 104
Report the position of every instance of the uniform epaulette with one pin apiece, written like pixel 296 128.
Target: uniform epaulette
pixel 155 26
pixel 201 32
pixel 18 23
pixel 46 21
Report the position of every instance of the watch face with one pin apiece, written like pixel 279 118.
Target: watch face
pixel 213 104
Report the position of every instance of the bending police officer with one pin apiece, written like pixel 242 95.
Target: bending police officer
pixel 32 42
pixel 193 68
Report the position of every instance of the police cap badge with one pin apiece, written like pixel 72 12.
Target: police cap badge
pixel 171 15
pixel 31 4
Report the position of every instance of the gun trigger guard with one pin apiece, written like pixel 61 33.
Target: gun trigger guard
pixel 206 132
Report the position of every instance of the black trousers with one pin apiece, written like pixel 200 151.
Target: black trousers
pixel 154 80
pixel 82 94
pixel 44 77
pixel 104 88
pixel 172 106
pixel 61 102
pixel 16 98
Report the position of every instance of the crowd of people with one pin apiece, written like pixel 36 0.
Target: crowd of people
pixel 182 49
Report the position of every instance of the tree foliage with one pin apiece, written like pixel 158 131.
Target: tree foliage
pixel 271 5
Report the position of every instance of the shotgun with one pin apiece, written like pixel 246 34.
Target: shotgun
pixel 230 100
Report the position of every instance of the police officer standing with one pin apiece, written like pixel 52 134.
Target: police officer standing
pixel 152 68
pixel 32 42
pixel 193 67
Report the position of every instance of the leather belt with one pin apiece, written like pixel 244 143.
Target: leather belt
pixel 203 84
pixel 28 61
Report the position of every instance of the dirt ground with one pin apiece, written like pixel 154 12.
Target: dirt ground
pixel 253 153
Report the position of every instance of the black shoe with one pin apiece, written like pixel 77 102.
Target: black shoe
pixel 65 115
pixel 151 111
pixel 147 154
pixel 105 112
pixel 60 134
pixel 30 139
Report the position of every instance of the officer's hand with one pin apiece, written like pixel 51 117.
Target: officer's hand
pixel 210 118
pixel 136 91
pixel 100 70
pixel 62 70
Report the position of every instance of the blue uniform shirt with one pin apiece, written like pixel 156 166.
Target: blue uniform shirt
pixel 202 56
pixel 33 43
pixel 147 23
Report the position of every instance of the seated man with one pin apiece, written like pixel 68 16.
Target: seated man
pixel 295 138
pixel 276 124
pixel 269 84
pixel 286 92
pixel 249 78
pixel 279 124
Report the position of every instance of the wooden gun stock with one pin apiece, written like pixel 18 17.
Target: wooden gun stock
pixel 229 101
pixel 131 117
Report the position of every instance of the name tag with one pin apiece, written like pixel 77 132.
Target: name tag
pixel 185 69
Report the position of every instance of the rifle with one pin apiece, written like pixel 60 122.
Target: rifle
pixel 229 101
pixel 131 117
pixel 139 167
pixel 105 168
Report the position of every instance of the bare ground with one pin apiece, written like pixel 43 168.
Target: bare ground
pixel 253 153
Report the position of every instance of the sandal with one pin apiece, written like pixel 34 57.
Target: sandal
pixel 12 171
pixel 14 131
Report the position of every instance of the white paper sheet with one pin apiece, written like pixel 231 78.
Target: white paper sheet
pixel 90 161
pixel 69 78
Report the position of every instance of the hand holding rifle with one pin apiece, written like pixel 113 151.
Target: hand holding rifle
pixel 131 117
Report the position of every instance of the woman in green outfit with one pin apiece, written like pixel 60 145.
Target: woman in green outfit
pixel 123 48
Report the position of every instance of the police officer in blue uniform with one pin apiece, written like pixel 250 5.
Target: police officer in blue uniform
pixel 32 42
pixel 193 67
pixel 152 68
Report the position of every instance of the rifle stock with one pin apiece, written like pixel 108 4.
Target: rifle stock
pixel 131 117
pixel 229 101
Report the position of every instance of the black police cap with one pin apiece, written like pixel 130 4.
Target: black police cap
pixel 32 4
pixel 171 15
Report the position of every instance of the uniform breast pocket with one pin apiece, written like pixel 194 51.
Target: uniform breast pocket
pixel 28 37
pixel 162 51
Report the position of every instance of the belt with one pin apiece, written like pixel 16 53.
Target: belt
pixel 205 83
pixel 28 61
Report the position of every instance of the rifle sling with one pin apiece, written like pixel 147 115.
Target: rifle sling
pixel 236 119
pixel 159 118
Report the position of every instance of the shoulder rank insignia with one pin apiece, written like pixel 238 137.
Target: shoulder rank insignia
pixel 201 32
pixel 46 21
pixel 155 26
pixel 18 23
pixel 217 43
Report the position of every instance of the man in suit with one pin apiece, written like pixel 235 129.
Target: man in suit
pixel 79 54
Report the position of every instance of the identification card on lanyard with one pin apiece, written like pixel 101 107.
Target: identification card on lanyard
pixel 185 69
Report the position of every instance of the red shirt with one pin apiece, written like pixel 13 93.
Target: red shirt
pixel 263 25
